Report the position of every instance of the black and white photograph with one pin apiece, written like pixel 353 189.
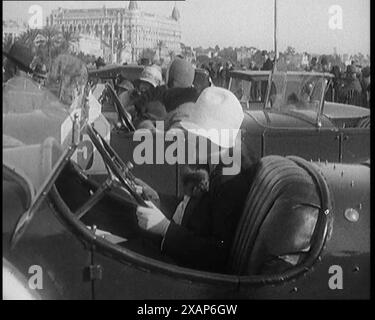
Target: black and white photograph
pixel 211 151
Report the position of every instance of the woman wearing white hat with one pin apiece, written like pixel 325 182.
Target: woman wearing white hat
pixel 203 237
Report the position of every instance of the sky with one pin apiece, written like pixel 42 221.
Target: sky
pixel 302 24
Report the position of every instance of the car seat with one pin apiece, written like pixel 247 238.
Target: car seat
pixel 275 230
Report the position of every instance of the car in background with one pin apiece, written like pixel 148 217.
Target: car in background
pixel 250 87
pixel 295 118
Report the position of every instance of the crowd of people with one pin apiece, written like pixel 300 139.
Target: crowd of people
pixel 349 86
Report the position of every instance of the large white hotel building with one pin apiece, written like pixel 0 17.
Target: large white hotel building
pixel 135 28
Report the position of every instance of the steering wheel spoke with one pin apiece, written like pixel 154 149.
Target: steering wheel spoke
pixel 95 198
pixel 124 115
pixel 116 166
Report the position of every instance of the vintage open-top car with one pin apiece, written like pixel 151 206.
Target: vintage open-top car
pixel 302 222
pixel 288 110
pixel 250 87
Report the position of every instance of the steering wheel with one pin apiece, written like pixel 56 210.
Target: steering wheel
pixel 116 167
pixel 124 115
pixel 119 176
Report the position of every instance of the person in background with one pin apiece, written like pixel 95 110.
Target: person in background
pixel 212 71
pixel 157 102
pixel 325 66
pixel 337 83
pixel 313 65
pixel 99 63
pixel 202 81
pixel 124 86
pixel 22 75
pixel 228 68
pixel 253 65
pixel 219 74
pixel 19 61
pixel 268 64
pixel 351 93
pixel 151 77
pixel 365 83
pixel 125 93
pixel 70 74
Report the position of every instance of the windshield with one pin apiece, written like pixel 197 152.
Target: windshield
pixel 21 94
pixel 296 92
pixel 250 90
pixel 31 113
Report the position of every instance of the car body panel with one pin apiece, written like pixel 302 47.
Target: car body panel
pixel 343 115
pixel 47 244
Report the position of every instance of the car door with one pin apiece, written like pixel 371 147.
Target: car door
pixel 48 253
pixel 297 134
pixel 355 144
pixel 309 143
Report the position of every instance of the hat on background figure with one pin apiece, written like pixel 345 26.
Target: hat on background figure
pixel 180 74
pixel 323 60
pixel 151 75
pixel 21 56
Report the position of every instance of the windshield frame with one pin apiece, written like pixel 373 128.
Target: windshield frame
pixel 254 78
pixel 287 74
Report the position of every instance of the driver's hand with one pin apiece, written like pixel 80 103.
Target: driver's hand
pixel 145 190
pixel 139 190
pixel 152 219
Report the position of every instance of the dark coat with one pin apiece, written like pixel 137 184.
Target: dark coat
pixel 366 94
pixel 168 100
pixel 205 236
pixel 352 92
pixel 268 65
